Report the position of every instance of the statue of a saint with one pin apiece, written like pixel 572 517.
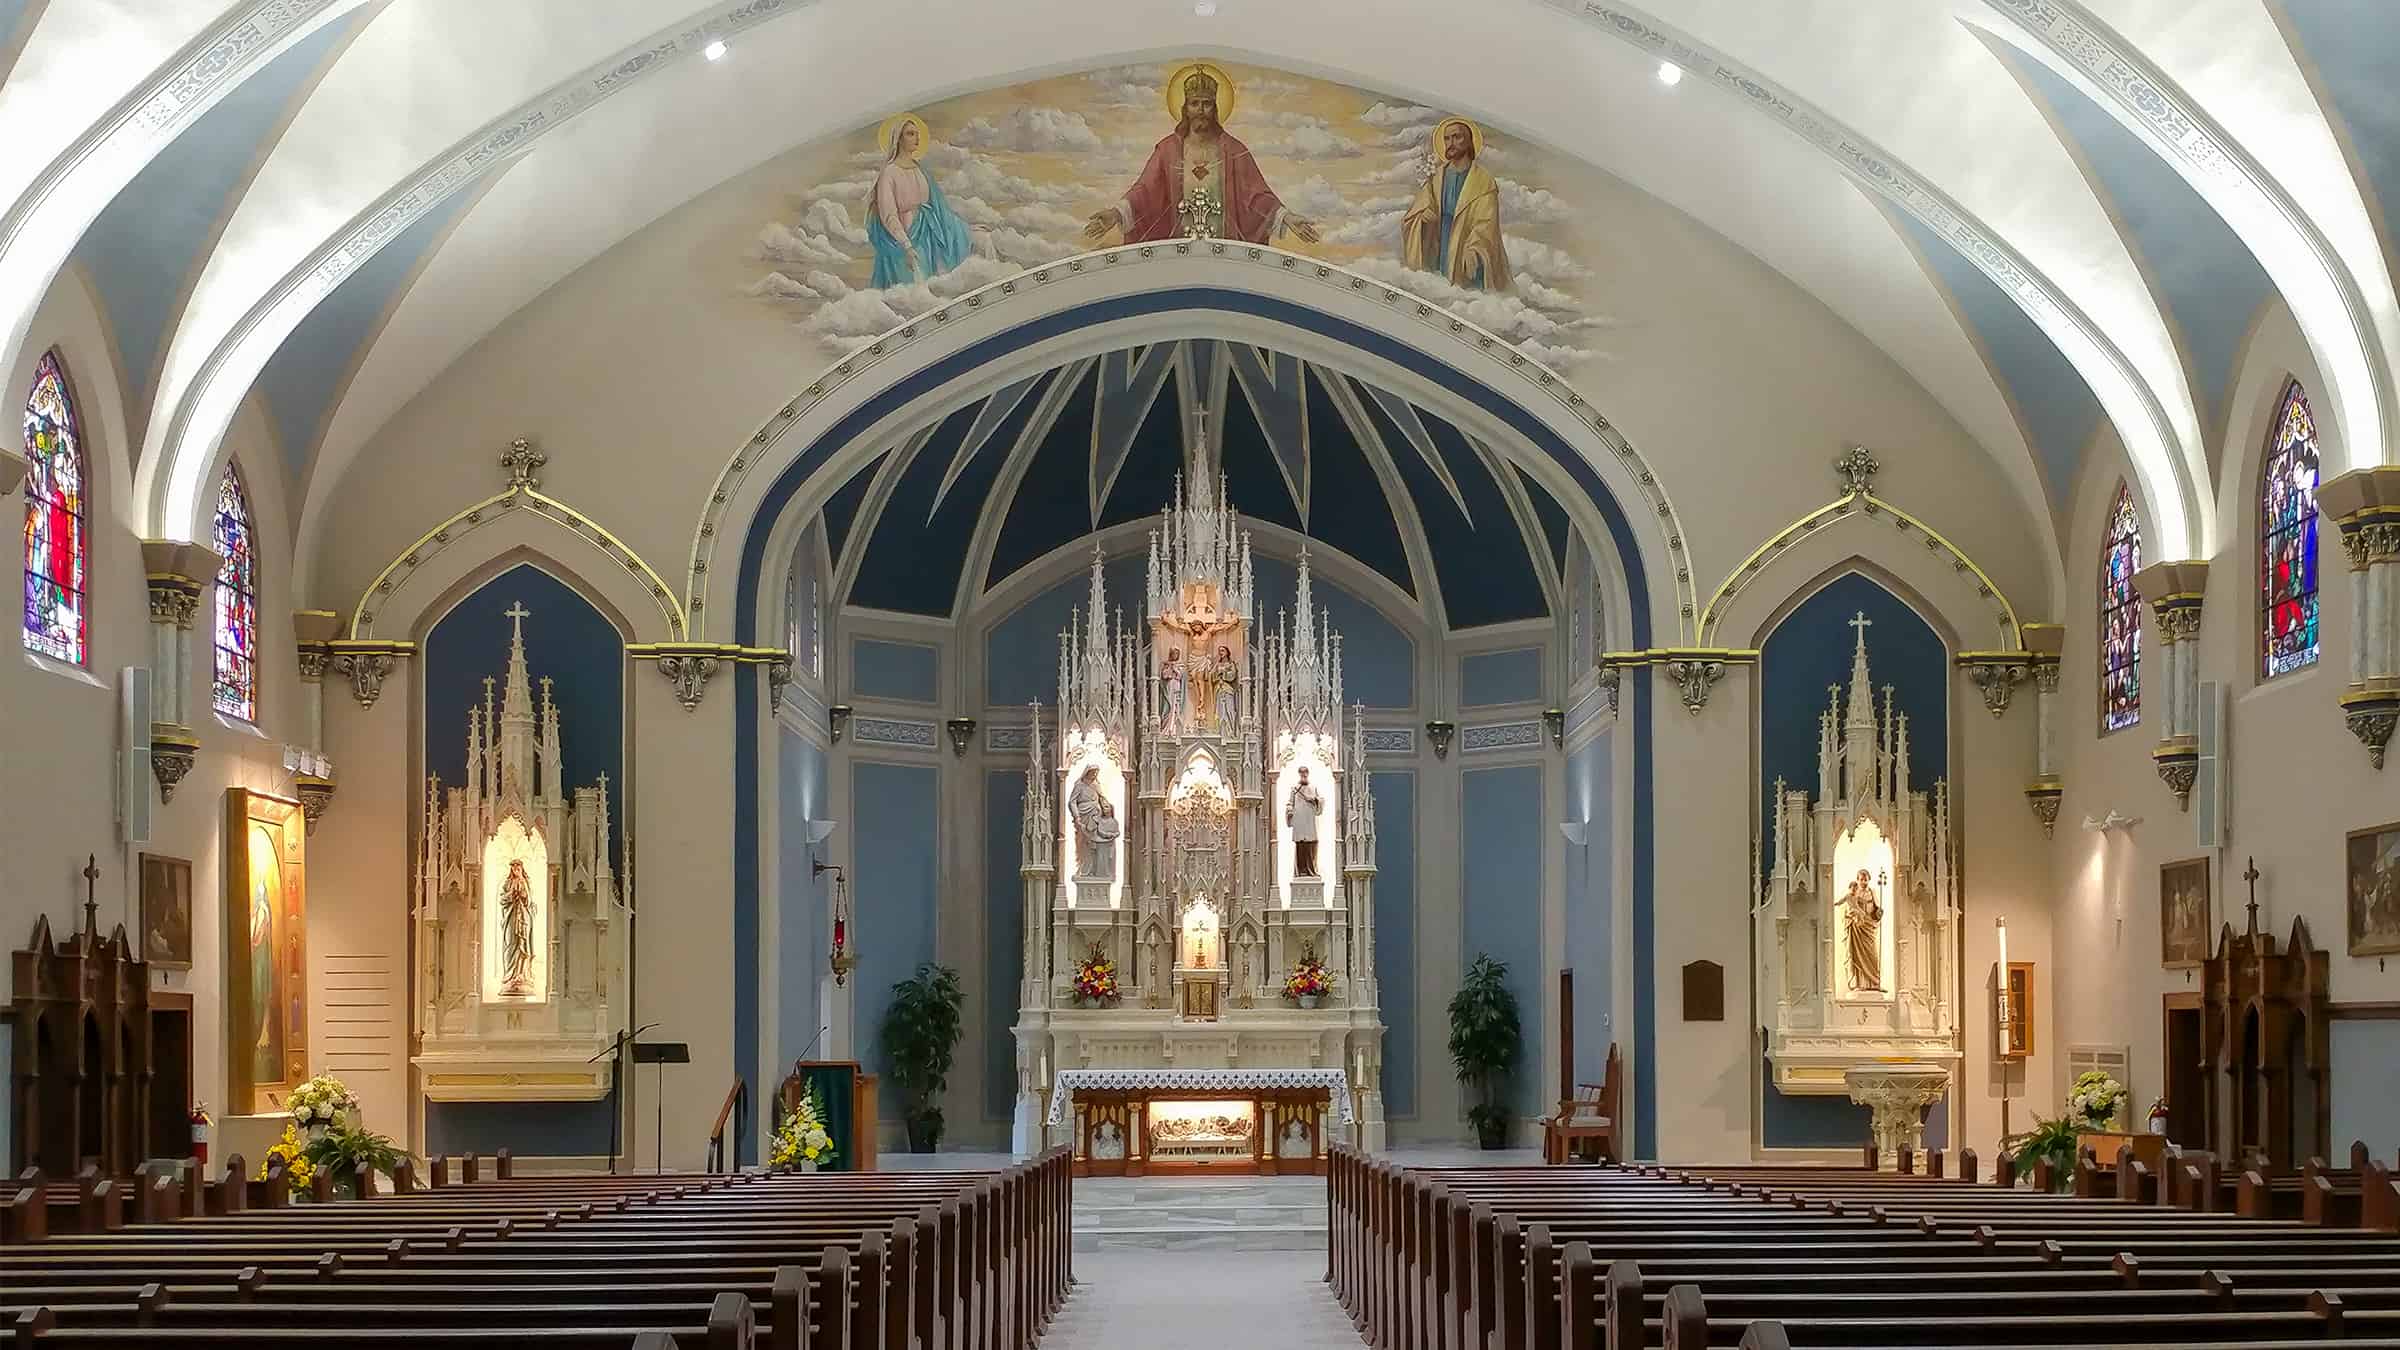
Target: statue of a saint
pixel 516 931
pixel 1096 825
pixel 1300 811
pixel 1226 674
pixel 1175 692
pixel 1862 929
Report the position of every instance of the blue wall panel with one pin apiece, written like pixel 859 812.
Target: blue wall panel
pixel 907 671
pixel 803 928
pixel 1004 936
pixel 1512 676
pixel 532 1129
pixel 1591 904
pixel 1396 935
pixel 897 808
pixel 1810 649
pixel 1379 663
pixel 1500 887
pixel 1020 654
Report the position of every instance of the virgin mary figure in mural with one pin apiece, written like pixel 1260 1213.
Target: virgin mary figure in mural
pixel 266 1049
pixel 1200 179
pixel 916 235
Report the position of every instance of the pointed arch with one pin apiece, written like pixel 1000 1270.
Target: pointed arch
pixel 236 682
pixel 57 520
pixel 2287 539
pixel 2120 616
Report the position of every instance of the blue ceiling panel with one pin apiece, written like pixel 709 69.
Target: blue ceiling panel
pixel 841 510
pixel 1258 488
pixel 917 550
pixel 1052 506
pixel 1553 518
pixel 1146 482
pixel 1498 572
pixel 2350 45
pixel 1357 519
pixel 2204 274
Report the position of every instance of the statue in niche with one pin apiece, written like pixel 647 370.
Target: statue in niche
pixel 1175 691
pixel 1226 674
pixel 1107 1143
pixel 1862 930
pixel 1295 1140
pixel 1300 812
pixel 516 931
pixel 1096 825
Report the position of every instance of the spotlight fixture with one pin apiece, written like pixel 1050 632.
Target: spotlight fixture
pixel 1205 8
pixel 715 51
pixel 1670 74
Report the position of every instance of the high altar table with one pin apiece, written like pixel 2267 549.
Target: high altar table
pixel 1136 1122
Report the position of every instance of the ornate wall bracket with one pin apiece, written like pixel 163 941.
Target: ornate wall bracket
pixel 2178 764
pixel 779 678
pixel 1697 676
pixel 366 663
pixel 1556 720
pixel 2043 795
pixel 1997 675
pixel 1610 676
pixel 1439 732
pixel 315 794
pixel 962 734
pixel 173 751
pixel 688 666
pixel 1695 670
pixel 837 721
pixel 2366 504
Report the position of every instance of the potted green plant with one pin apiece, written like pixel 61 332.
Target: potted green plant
pixel 1485 1040
pixel 920 1040
pixel 351 1153
pixel 2092 1104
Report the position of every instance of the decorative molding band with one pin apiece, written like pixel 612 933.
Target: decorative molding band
pixel 1695 670
pixel 523 492
pixel 1866 505
pixel 1501 736
pixel 900 731
pixel 497 142
pixel 689 665
pixel 999 739
pixel 2145 96
pixel 977 304
pixel 1391 740
pixel 1888 177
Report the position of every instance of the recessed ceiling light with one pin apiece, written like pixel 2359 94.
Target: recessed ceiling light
pixel 714 51
pixel 1205 8
pixel 1669 73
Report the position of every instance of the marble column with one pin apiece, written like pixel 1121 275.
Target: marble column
pixel 2171 669
pixel 180 573
pixel 313 631
pixel 2365 504
pixel 2043 644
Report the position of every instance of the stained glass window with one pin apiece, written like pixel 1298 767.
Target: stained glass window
pixel 2121 617
pixel 237 602
pixel 2287 539
pixel 57 536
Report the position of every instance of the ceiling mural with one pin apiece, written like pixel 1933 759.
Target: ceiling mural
pixel 895 218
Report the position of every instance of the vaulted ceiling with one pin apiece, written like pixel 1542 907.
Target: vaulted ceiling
pixel 322 204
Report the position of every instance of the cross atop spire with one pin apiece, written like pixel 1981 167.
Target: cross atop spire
pixel 519 614
pixel 1862 623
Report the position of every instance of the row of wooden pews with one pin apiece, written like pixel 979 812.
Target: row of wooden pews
pixel 1765 1257
pixel 831 1261
pixel 163 1190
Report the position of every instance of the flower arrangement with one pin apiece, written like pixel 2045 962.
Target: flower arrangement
pixel 1309 979
pixel 801 1140
pixel 298 1171
pixel 2094 1099
pixel 1096 980
pixel 322 1100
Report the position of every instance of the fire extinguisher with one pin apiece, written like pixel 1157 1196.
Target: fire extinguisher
pixel 200 1124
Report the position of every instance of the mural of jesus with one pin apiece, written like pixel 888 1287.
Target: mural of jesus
pixel 1200 178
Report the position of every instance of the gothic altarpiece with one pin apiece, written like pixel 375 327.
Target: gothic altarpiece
pixel 1856 921
pixel 520 929
pixel 1202 820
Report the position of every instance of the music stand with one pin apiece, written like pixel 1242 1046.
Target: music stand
pixel 616 1086
pixel 661 1053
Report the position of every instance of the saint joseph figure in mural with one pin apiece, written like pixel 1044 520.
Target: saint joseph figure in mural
pixel 1452 228
pixel 916 235
pixel 1200 180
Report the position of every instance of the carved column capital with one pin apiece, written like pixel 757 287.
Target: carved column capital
pixel 313 632
pixel 2175 591
pixel 179 572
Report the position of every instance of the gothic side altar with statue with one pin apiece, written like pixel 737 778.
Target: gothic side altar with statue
pixel 1199 865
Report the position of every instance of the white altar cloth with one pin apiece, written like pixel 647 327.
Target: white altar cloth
pixel 1064 1086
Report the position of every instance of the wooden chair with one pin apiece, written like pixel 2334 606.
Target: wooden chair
pixel 1586 1123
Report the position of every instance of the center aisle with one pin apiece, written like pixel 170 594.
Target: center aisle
pixel 1205 1264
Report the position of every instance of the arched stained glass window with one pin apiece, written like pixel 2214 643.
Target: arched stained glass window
pixel 237 602
pixel 2287 539
pixel 57 516
pixel 2120 617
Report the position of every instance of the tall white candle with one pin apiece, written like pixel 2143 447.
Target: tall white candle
pixel 2000 926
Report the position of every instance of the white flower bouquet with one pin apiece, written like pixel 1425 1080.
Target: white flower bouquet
pixel 322 1100
pixel 2093 1101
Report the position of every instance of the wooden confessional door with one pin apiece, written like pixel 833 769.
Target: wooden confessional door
pixel 2186 1073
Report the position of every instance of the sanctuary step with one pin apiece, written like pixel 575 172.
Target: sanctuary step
pixel 1200 1213
pixel 1199 1300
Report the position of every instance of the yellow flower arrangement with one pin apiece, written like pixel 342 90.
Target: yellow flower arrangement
pixel 802 1138
pixel 298 1171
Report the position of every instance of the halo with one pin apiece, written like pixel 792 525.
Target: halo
pixel 1174 90
pixel 891 128
pixel 1474 135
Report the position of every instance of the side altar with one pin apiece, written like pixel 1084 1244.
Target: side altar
pixel 1200 825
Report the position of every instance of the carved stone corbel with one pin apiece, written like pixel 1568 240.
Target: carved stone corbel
pixel 366 664
pixel 837 721
pixel 779 678
pixel 1997 675
pixel 687 668
pixel 2043 796
pixel 1609 679
pixel 1438 733
pixel 962 734
pixel 1697 676
pixel 173 751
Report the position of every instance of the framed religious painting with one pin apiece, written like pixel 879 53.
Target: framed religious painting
pixel 266 949
pixel 167 912
pixel 2371 871
pixel 2183 914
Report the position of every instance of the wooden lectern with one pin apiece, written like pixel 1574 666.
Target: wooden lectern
pixel 849 1097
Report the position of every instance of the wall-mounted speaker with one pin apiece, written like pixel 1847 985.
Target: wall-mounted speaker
pixel 2208 781
pixel 133 756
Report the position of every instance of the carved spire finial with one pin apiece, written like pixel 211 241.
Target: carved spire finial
pixel 524 465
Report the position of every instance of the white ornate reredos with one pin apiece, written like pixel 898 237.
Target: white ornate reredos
pixel 738 493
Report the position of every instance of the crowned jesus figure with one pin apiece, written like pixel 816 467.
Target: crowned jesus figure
pixel 1201 181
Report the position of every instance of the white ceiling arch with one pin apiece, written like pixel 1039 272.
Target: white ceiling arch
pixel 423 74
